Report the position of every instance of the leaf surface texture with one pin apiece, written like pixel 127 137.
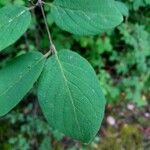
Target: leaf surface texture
pixel 17 78
pixel 86 17
pixel 70 96
pixel 14 21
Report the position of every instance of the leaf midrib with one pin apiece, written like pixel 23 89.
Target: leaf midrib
pixel 12 19
pixel 69 92
pixel 70 9
pixel 79 10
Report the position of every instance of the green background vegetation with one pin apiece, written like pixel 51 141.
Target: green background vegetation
pixel 121 59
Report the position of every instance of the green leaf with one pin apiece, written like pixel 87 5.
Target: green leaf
pixel 70 96
pixel 17 78
pixel 122 8
pixel 14 21
pixel 86 17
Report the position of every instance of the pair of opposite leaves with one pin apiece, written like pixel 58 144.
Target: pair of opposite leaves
pixel 68 90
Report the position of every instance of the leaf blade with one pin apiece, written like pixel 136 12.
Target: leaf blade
pixel 74 106
pixel 14 21
pixel 86 17
pixel 17 78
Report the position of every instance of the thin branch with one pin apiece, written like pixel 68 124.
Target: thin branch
pixel 51 45
pixel 47 54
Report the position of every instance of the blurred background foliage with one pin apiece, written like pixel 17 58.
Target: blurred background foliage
pixel 121 59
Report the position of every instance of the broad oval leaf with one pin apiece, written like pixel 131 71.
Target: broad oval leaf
pixel 70 96
pixel 86 17
pixel 17 78
pixel 14 21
